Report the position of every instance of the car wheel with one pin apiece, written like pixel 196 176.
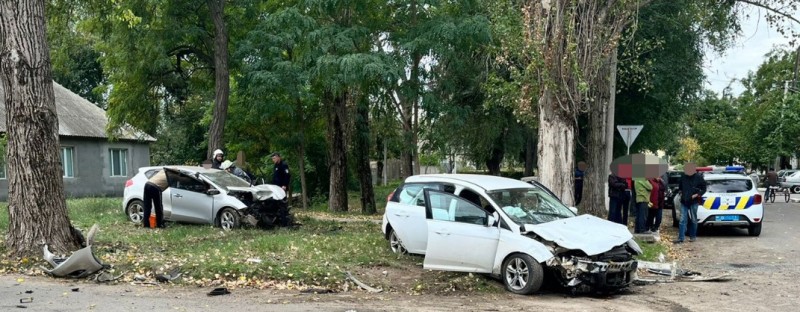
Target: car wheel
pixel 135 211
pixel 522 275
pixel 228 219
pixel 754 230
pixel 395 244
pixel 796 189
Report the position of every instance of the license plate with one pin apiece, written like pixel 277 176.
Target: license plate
pixel 727 218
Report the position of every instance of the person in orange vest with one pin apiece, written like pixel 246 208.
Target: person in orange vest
pixel 152 199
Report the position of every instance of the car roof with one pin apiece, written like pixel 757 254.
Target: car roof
pixel 182 168
pixel 726 176
pixel 487 182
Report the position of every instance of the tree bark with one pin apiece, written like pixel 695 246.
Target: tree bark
pixel 362 148
pixel 337 151
pixel 222 86
pixel 530 152
pixel 555 152
pixel 301 155
pixel 596 179
pixel 37 208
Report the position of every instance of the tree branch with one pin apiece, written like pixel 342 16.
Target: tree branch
pixel 768 8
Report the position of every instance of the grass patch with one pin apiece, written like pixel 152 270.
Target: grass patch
pixel 651 251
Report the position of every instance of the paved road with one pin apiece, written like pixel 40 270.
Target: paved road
pixel 766 271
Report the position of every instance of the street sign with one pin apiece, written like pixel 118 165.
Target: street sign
pixel 629 134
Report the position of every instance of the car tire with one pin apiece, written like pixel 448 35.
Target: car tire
pixel 796 189
pixel 228 219
pixel 754 230
pixel 135 211
pixel 521 274
pixel 395 244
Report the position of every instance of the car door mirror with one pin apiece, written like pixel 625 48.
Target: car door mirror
pixel 574 210
pixel 212 192
pixel 492 219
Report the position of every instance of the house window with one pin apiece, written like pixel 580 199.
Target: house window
pixel 118 162
pixel 66 161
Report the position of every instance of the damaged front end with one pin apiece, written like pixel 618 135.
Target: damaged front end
pixel 266 206
pixel 606 272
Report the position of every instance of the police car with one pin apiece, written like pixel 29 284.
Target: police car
pixel 731 199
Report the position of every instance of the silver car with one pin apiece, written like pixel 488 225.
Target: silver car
pixel 209 196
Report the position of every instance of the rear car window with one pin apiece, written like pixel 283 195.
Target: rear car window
pixel 729 185
pixel 412 193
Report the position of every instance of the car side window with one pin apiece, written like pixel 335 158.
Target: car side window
pixel 412 193
pixel 448 207
pixel 476 199
pixel 183 182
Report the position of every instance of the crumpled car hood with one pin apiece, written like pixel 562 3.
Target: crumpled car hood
pixel 587 233
pixel 261 192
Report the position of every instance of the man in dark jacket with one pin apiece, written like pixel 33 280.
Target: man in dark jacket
pixel 772 180
pixel 280 176
pixel 692 186
pixel 616 196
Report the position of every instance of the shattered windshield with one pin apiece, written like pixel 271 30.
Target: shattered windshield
pixel 225 179
pixel 530 205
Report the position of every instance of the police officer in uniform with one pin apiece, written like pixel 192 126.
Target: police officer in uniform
pixel 280 176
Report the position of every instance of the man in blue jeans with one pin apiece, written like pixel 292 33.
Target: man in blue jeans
pixel 692 186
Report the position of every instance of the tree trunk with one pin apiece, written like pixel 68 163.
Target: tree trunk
pixel 337 151
pixel 362 148
pixel 37 208
pixel 555 153
pixel 596 179
pixel 301 155
pixel 496 156
pixel 222 86
pixel 530 152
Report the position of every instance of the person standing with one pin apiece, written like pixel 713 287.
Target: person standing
pixel 692 186
pixel 216 159
pixel 642 188
pixel 280 176
pixel 155 185
pixel 616 196
pixel 580 173
pixel 772 181
pixel 657 201
pixel 626 200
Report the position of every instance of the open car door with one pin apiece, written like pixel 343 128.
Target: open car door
pixel 189 199
pixel 459 236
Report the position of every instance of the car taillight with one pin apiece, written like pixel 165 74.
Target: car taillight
pixel 757 200
pixel 389 198
pixel 129 183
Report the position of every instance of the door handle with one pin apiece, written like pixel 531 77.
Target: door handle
pixel 442 233
pixel 178 195
pixel 401 215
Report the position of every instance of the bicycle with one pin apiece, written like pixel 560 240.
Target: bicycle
pixel 770 195
pixel 787 194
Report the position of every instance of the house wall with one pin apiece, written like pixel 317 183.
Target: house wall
pixel 92 175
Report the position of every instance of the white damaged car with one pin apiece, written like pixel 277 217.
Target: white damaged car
pixel 509 229
pixel 209 196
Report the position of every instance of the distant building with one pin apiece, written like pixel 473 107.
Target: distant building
pixel 92 165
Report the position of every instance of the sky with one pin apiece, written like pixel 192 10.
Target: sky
pixel 753 43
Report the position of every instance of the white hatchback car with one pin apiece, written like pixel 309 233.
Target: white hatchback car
pixel 509 229
pixel 209 196
pixel 731 200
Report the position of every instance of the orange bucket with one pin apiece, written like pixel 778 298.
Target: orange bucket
pixel 152 221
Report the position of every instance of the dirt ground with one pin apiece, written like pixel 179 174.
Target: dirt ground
pixel 764 271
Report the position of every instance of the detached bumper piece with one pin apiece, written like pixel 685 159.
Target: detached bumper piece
pixel 80 264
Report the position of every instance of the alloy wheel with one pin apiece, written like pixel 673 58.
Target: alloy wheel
pixel 517 274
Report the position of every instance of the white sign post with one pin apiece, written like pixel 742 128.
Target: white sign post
pixel 629 134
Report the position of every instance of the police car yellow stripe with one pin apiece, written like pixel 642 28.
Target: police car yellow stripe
pixel 744 201
pixel 714 203
pixel 709 202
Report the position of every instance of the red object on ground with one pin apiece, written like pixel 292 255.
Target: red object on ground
pixel 152 221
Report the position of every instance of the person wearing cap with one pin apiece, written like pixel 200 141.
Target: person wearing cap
pixel 280 176
pixel 216 159
pixel 229 166
pixel 155 185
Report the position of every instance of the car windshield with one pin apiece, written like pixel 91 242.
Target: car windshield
pixel 530 205
pixel 225 179
pixel 729 185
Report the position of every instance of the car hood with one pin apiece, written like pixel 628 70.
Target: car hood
pixel 587 233
pixel 261 192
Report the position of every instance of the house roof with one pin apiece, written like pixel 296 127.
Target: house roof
pixel 77 117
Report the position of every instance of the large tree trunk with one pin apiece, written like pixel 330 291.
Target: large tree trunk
pixel 362 148
pixel 595 182
pixel 37 208
pixel 530 152
pixel 222 86
pixel 555 153
pixel 337 151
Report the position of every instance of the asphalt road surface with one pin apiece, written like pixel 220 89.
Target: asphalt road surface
pixel 765 271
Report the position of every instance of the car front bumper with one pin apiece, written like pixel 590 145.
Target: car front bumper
pixel 586 274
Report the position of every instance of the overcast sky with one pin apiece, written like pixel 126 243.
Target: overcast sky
pixel 755 41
